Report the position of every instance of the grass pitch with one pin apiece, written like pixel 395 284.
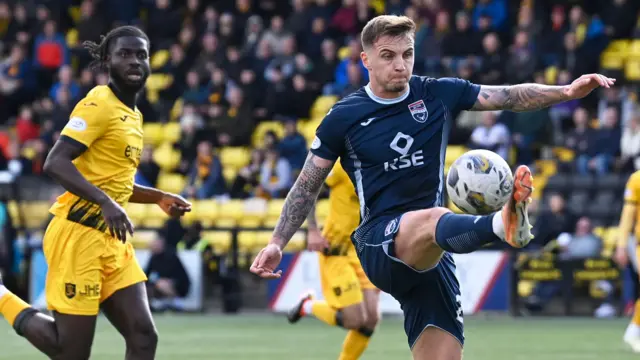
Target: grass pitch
pixel 270 337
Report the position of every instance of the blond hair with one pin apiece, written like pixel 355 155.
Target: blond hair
pixel 386 25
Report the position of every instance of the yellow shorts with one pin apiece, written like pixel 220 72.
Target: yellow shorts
pixel 86 266
pixel 343 279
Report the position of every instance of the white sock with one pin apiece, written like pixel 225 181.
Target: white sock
pixel 307 307
pixel 498 225
pixel 3 291
pixel 633 330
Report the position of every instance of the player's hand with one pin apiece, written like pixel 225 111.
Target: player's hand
pixel 315 241
pixel 585 84
pixel 620 257
pixel 116 220
pixel 174 205
pixel 267 261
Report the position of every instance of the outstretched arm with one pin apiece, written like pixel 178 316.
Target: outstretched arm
pixel 527 97
pixel 301 198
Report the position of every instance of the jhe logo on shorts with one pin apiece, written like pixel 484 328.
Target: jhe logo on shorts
pixel 91 291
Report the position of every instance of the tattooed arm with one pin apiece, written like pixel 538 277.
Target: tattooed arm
pixel 526 97
pixel 301 198
pixel 523 97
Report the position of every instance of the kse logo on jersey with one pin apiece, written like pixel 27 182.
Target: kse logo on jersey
pixel 402 144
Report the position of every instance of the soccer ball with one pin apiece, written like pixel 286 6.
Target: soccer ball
pixel 479 182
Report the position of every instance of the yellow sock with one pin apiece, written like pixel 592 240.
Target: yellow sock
pixel 11 306
pixel 323 312
pixel 636 314
pixel 354 345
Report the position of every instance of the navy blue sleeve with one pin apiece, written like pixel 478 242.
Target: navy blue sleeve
pixel 459 94
pixel 329 141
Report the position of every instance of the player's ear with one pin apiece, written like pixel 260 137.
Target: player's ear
pixel 365 60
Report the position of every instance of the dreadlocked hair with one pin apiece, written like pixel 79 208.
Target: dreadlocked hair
pixel 99 51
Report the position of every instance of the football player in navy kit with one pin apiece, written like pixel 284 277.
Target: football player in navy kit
pixel 391 137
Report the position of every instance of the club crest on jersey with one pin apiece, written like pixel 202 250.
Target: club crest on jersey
pixel 419 111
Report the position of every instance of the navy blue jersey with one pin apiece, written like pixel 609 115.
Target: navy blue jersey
pixel 394 149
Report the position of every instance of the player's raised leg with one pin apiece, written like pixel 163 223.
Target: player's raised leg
pixel 128 311
pixel 424 234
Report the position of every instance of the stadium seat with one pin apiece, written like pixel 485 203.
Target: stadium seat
pixel 234 157
pixel 137 212
pixel 152 133
pixel 632 70
pixel 219 240
pixel 262 238
pixel 72 38
pixel 229 213
pixel 261 130
pixel 13 210
pixel 206 212
pixel 159 59
pixel 156 83
pixel 577 201
pixel 173 183
pixel 298 242
pixel 322 105
pixel 453 153
pixel 274 208
pixel 582 182
pixel 254 212
pixel 36 214
pixel 247 241
pixel 142 238
pixel 155 217
pixel 563 154
pixel 343 52
pixel 229 174
pixel 166 157
pixel 634 50
pixel 171 132
pixel 559 183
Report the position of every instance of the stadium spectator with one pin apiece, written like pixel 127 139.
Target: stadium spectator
pixel 496 10
pixel 65 81
pixel 491 135
pixel 168 280
pixel 552 221
pixel 26 127
pixel 293 146
pixel 522 61
pixel 148 169
pixel 619 99
pixel 50 53
pixel 248 178
pixel 275 175
pixel 90 26
pixel 461 42
pixel 493 61
pixel 205 177
pixel 341 74
pixel 603 146
pixel 17 82
pixel 630 145
pixel 235 124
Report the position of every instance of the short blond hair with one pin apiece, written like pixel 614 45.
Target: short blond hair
pixel 386 25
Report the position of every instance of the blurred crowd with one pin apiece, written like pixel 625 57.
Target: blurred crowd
pixel 232 64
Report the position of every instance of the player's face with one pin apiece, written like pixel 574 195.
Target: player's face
pixel 390 62
pixel 129 62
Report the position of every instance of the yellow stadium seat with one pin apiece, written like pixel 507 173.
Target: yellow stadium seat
pixel 36 214
pixel 611 61
pixel 550 75
pixel 632 70
pixel 618 46
pixel 610 238
pixel 322 105
pixel 152 133
pixel 634 50
pixel 274 208
pixel 261 130
pixel 155 218
pixel 171 132
pixel 235 157
pixel 13 210
pixel 229 174
pixel 173 183
pixel 176 110
pixel 166 157
pixel 191 216
pixel 525 288
pixel 157 82
pixel 254 212
pixel 72 38
pixel 453 153
pixel 142 238
pixel 297 243
pixel 247 241
pixel 564 154
pixel 206 211
pixel 137 212
pixel 378 6
pixel 219 240
pixel 229 213
pixel 343 52
pixel 159 59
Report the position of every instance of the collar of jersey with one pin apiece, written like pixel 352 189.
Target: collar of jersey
pixel 380 100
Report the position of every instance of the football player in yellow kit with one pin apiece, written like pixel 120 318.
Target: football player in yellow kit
pixel 630 215
pixel 91 266
pixel 351 300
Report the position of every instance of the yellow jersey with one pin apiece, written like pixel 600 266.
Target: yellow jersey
pixel 112 133
pixel 632 196
pixel 344 210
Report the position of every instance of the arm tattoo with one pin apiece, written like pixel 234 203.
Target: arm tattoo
pixel 312 223
pixel 523 97
pixel 301 198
